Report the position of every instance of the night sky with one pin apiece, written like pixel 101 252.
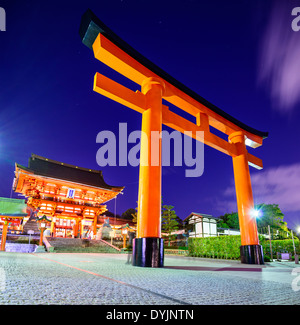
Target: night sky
pixel 243 56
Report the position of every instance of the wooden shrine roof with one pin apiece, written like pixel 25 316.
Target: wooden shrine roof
pixel 53 169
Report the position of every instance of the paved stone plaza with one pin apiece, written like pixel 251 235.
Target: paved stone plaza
pixel 108 279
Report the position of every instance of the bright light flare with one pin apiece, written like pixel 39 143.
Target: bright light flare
pixel 255 213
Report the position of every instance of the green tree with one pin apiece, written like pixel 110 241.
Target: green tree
pixel 128 214
pixel 269 215
pixel 229 220
pixel 134 214
pixel 168 221
pixel 110 214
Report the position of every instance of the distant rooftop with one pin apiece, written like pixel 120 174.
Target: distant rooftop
pixel 199 215
pixel 12 207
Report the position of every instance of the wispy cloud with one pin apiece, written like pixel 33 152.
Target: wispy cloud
pixel 279 60
pixel 276 185
pixel 279 185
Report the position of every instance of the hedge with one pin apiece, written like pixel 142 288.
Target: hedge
pixel 228 247
pixel 280 246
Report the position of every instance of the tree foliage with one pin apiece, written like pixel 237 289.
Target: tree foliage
pixel 269 215
pixel 128 214
pixel 169 221
pixel 110 214
pixel 229 220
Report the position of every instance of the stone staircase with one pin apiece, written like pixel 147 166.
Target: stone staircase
pixel 31 224
pixel 64 245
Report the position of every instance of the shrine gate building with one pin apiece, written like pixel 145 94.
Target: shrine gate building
pixel 71 197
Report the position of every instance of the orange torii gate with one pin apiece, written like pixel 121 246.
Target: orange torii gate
pixel 156 85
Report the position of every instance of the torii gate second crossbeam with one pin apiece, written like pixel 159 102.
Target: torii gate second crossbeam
pixel 155 86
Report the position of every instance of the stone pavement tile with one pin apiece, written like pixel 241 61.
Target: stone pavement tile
pixel 190 281
pixel 41 281
pixel 108 279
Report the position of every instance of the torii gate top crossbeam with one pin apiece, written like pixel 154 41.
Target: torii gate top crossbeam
pixel 117 54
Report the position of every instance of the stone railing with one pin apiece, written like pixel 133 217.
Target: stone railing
pixel 181 252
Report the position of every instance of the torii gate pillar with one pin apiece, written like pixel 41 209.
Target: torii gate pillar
pixel 148 250
pixel 251 251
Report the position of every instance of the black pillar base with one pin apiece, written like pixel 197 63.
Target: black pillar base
pixel 148 252
pixel 252 254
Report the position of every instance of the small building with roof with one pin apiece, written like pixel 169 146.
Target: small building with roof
pixel 201 225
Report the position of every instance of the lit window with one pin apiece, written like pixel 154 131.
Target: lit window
pixel 71 193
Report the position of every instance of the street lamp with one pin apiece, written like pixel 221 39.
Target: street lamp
pixel 255 213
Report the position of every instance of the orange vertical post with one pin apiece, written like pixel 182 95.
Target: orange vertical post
pixel 95 225
pixel 148 246
pixel 3 238
pixel 52 226
pixel 81 228
pixel 76 228
pixel 124 240
pixel 149 200
pixel 42 229
pixel 251 251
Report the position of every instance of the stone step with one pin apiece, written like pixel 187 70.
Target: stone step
pixel 65 242
pixel 60 243
pixel 20 248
